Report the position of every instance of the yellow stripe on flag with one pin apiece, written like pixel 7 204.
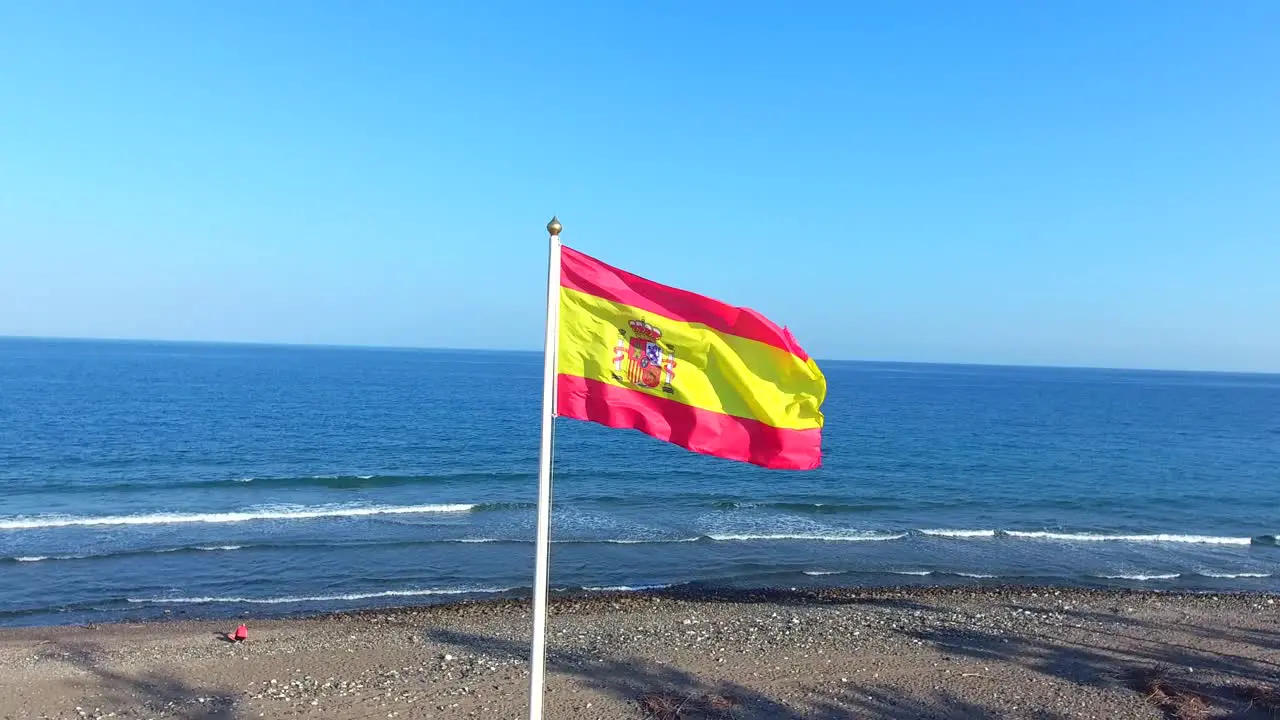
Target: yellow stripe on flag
pixel 713 371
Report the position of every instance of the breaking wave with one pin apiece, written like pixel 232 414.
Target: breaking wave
pixel 834 537
pixel 126 553
pixel 321 598
pixel 1092 536
pixel 960 533
pixel 811 508
pixel 1153 538
pixel 279 513
pixel 247 484
pixel 490 507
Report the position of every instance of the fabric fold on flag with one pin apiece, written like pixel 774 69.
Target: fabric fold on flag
pixel 707 376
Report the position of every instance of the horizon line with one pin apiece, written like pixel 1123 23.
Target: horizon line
pixel 428 348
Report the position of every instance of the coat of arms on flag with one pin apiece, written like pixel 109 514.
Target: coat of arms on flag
pixel 641 359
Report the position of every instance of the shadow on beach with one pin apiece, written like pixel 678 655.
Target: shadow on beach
pixel 660 691
pixel 1183 681
pixel 663 692
pixel 1105 651
pixel 695 592
pixel 164 694
pixel 933 654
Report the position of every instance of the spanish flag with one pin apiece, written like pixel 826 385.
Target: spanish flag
pixel 709 377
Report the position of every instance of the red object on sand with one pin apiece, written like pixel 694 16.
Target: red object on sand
pixel 242 633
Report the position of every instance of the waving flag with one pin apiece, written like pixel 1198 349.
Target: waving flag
pixel 683 368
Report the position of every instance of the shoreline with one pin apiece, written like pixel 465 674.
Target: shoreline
pixel 1009 651
pixel 688 591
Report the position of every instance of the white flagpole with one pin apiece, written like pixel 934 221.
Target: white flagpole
pixel 537 660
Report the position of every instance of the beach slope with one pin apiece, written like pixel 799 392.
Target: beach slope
pixel 780 655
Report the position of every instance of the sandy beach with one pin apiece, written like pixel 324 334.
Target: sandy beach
pixel 946 653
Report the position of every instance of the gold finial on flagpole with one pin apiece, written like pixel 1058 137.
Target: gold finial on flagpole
pixel 554 227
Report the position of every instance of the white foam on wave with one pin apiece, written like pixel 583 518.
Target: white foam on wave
pixel 1159 537
pixel 819 573
pixel 1234 576
pixel 609 541
pixel 46 558
pixel 364 477
pixel 917 573
pixel 280 513
pixel 320 598
pixel 162 551
pixel 243 480
pixel 1142 578
pixel 822 538
pixel 627 541
pixel 959 533
pixel 626 588
pixel 978 576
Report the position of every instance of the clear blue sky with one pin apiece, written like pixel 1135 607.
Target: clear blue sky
pixel 1085 182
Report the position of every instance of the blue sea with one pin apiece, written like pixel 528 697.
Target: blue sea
pixel 141 481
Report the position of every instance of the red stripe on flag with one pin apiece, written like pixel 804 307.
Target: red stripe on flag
pixel 588 275
pixel 692 428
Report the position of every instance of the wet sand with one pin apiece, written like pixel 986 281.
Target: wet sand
pixel 1040 654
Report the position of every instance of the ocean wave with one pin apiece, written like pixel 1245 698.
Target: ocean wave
pixel 302 513
pixel 959 533
pixel 320 598
pixel 1137 577
pixel 573 541
pixel 252 483
pixel 1090 536
pixel 1152 538
pixel 288 547
pixel 359 546
pixel 47 558
pixel 626 588
pixel 945 573
pixel 496 506
pixel 698 538
pixel 640 541
pixel 818 537
pixel 127 553
pixel 812 508
pixel 914 573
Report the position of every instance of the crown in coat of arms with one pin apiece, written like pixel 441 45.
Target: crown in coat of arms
pixel 645 330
